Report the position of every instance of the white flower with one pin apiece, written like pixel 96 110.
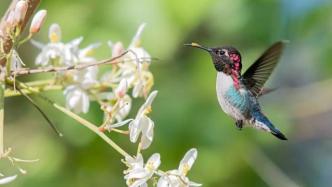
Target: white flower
pixel 177 178
pixel 119 111
pixel 138 174
pixel 77 99
pixel 86 77
pixel 143 124
pixel 134 67
pixel 51 53
pixel 57 53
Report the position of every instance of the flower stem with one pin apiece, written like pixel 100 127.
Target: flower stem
pixel 93 128
pixel 11 93
pixel 2 98
pixel 79 119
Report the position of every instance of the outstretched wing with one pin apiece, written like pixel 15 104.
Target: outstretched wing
pixel 257 74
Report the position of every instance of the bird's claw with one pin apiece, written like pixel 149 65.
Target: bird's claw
pixel 239 124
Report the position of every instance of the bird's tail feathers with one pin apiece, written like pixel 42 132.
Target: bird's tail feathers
pixel 263 123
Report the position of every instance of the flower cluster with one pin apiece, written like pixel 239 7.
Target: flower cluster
pixel 82 86
pixel 138 174
pixel 111 91
pixel 127 77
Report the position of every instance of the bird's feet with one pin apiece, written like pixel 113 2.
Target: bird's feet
pixel 239 124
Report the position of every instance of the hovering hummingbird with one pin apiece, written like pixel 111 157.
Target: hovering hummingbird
pixel 238 93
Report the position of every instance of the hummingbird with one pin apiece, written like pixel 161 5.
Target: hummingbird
pixel 238 93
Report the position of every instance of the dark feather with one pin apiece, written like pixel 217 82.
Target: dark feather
pixel 257 74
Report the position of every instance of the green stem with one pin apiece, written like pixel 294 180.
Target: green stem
pixel 11 93
pixel 2 92
pixel 76 117
pixel 24 40
pixel 93 128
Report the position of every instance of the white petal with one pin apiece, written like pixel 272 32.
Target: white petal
pixel 117 49
pixel 163 182
pixel 191 183
pixel 87 51
pixel 138 173
pixel 16 61
pixel 37 44
pixel 148 101
pixel 144 185
pixel 138 89
pixel 139 56
pixel 77 99
pixel 147 126
pixel 187 161
pixel 169 181
pixel 6 180
pixel 75 42
pixel 85 103
pixel 119 124
pixel 86 77
pixel 150 98
pixel 134 130
pixel 135 163
pixel 139 183
pixel 153 162
pixel 136 39
pixel 125 106
pixel 54 33
pixel 121 90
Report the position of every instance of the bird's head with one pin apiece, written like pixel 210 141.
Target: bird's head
pixel 225 59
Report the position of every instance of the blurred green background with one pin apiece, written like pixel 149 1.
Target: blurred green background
pixel 186 112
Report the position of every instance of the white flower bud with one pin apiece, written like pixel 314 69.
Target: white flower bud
pixel 20 11
pixel 121 90
pixel 37 21
pixel 10 18
pixel 117 49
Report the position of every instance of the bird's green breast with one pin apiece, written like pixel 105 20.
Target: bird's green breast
pixel 238 98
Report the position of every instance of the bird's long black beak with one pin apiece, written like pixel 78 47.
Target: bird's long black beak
pixel 199 46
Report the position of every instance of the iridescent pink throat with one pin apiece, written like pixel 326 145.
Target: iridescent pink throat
pixel 236 69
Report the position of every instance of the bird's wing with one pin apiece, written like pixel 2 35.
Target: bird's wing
pixel 257 74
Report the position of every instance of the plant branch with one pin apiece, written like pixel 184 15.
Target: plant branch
pixel 93 128
pixel 27 71
pixel 11 92
pixel 79 119
pixel 6 47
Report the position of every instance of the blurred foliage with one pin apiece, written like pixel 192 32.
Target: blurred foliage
pixel 186 112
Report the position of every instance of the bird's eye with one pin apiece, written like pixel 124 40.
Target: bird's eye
pixel 221 52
